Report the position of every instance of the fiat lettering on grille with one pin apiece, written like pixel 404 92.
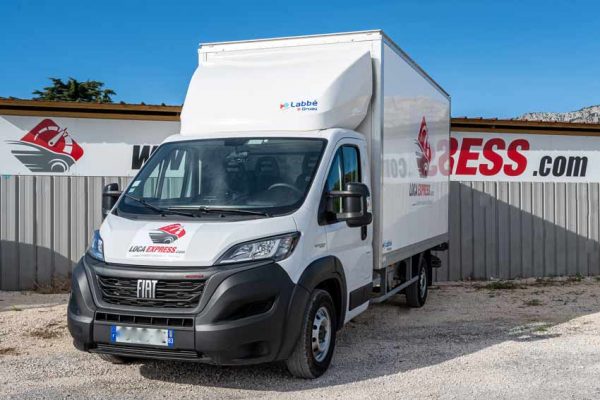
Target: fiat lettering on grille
pixel 146 288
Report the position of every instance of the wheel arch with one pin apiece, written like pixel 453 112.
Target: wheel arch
pixel 327 273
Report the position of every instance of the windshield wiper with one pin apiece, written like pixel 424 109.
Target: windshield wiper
pixel 207 210
pixel 159 210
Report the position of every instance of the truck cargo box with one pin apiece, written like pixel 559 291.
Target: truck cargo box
pixel 404 114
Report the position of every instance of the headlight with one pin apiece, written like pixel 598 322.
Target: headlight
pixel 96 249
pixel 276 248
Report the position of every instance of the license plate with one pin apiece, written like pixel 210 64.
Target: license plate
pixel 148 336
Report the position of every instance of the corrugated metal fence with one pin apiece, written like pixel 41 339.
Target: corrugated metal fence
pixel 45 226
pixel 522 229
pixel 497 229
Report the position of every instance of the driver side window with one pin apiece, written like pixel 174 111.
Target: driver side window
pixel 344 169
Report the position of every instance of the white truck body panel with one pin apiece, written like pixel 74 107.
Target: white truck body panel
pixel 415 178
pixel 360 81
pixel 202 244
pixel 289 89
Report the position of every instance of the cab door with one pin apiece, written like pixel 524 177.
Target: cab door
pixel 352 246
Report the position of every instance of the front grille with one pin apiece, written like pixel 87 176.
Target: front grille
pixel 169 293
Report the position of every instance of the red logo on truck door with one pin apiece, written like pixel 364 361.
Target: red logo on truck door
pixel 47 148
pixel 424 151
pixel 424 157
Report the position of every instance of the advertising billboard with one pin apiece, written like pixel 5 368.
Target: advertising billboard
pixel 514 157
pixel 31 145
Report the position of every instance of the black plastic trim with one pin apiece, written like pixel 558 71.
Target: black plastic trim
pixel 324 269
pixel 213 277
pixel 151 353
pixel 243 318
pixel 360 296
pixel 144 320
pixel 319 271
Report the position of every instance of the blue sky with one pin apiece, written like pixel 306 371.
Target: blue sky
pixel 496 58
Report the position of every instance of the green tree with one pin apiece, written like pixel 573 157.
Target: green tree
pixel 73 90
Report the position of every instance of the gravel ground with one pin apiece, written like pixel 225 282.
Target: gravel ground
pixel 537 341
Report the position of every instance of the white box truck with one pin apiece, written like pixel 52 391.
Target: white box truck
pixel 309 179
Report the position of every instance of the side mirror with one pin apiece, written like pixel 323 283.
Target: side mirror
pixel 354 204
pixel 110 195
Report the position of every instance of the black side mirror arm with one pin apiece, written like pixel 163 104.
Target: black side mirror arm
pixel 355 192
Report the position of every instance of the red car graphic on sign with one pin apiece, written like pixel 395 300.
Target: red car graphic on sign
pixel 47 148
pixel 424 152
pixel 167 234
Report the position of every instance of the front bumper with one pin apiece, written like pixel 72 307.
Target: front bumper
pixel 247 314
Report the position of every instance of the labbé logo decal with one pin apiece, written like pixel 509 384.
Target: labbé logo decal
pixel 304 105
pixel 47 148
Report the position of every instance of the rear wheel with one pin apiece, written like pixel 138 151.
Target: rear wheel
pixel 416 294
pixel 115 359
pixel 313 351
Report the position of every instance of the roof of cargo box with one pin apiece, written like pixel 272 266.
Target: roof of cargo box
pixel 291 40
pixel 285 84
pixel 355 36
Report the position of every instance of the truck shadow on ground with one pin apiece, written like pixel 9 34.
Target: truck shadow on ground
pixel 388 339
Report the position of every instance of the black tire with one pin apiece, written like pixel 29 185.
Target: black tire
pixel 115 359
pixel 306 362
pixel 416 294
pixel 429 276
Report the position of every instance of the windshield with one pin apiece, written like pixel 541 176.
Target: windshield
pixel 245 176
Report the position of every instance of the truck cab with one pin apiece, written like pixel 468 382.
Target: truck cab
pixel 256 233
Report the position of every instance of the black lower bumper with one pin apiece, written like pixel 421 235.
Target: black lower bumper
pixel 247 314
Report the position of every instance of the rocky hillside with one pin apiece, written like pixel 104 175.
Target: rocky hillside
pixel 590 115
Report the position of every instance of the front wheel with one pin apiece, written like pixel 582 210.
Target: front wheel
pixel 313 351
pixel 416 294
